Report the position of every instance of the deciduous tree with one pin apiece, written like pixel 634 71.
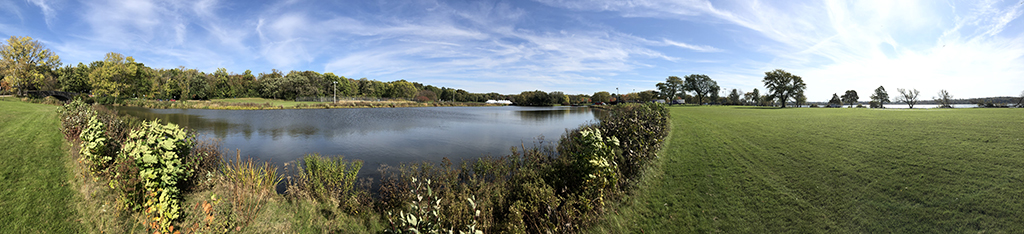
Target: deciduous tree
pixel 880 96
pixel 24 63
pixel 402 89
pixel 672 87
pixel 944 99
pixel 850 97
pixel 117 76
pixel 601 97
pixel 734 97
pixel 835 101
pixel 908 96
pixel 783 85
pixel 702 86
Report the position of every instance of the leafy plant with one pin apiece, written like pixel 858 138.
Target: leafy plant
pixel 592 167
pixel 94 149
pixel 159 150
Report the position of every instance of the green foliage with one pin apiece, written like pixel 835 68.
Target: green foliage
pixel 119 77
pixel 850 97
pixel 879 98
pixel 702 86
pixel 672 88
pixel 94 148
pixel 783 85
pixel 536 189
pixel 25 63
pixel 592 168
pixel 602 96
pixel 330 180
pixel 539 98
pixel 159 151
pixel 641 130
pixel 835 101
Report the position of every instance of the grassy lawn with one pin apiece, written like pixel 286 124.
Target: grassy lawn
pixel 750 170
pixel 34 192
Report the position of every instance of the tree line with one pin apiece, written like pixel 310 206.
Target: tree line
pixel 782 88
pixel 27 65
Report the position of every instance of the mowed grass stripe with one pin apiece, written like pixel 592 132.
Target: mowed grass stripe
pixel 754 170
pixel 34 192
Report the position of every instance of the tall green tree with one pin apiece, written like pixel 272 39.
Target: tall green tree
pixel 672 87
pixel 702 86
pixel 880 96
pixel 850 97
pixel 74 79
pixel 601 97
pixel 25 63
pixel 835 101
pixel 755 97
pixel 783 85
pixel 908 96
pixel 402 89
pixel 119 77
pixel 734 97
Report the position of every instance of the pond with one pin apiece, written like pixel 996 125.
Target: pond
pixel 375 135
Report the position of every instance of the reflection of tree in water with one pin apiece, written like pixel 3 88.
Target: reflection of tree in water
pixel 295 123
pixel 551 115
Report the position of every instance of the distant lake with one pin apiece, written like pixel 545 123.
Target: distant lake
pixel 375 135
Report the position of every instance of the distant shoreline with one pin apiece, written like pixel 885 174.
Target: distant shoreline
pixel 270 104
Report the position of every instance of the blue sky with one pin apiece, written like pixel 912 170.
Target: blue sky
pixel 971 48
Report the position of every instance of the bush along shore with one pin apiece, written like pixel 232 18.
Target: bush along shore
pixel 139 176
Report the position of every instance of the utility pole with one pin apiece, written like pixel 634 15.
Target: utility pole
pixel 335 92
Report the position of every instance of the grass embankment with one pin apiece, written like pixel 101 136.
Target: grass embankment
pixel 751 170
pixel 36 195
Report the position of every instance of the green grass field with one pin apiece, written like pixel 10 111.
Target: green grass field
pixel 34 192
pixel 752 170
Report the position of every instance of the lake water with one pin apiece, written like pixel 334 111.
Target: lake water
pixel 375 135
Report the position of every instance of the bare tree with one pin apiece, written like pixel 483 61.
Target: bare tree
pixel 1020 101
pixel 944 99
pixel 908 96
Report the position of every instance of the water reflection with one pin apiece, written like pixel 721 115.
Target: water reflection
pixel 375 135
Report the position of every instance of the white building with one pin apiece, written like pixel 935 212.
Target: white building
pixel 502 102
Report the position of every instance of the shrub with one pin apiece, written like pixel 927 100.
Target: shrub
pixel 94 150
pixel 159 151
pixel 640 129
pixel 203 161
pixel 50 100
pixel 590 170
pixel 74 116
pixel 330 180
pixel 251 186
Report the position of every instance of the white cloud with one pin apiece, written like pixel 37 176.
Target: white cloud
pixel 838 45
pixel 700 48
pixel 48 12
